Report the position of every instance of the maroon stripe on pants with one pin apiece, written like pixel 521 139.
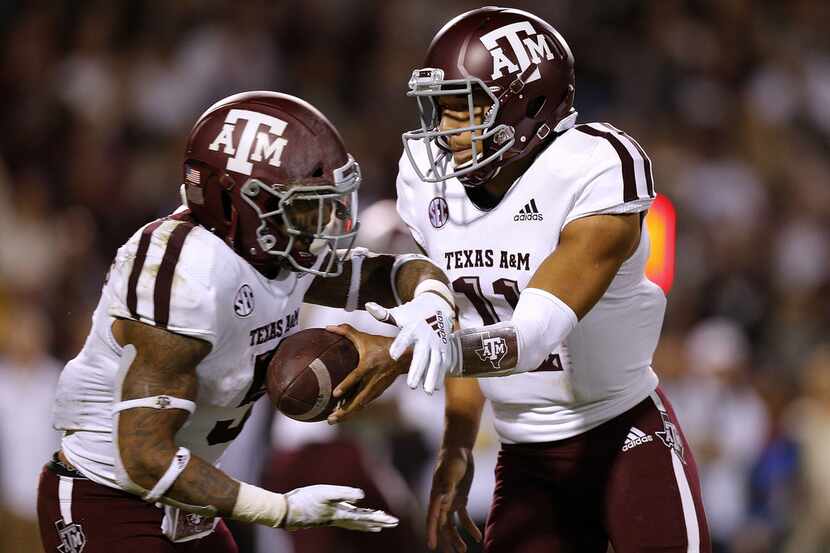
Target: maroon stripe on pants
pixel 164 279
pixel 138 265
pixel 692 476
pixel 109 520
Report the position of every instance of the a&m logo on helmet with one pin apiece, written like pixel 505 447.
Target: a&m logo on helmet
pixel 254 144
pixel 531 49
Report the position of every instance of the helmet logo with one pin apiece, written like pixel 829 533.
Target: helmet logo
pixel 253 144
pixel 536 45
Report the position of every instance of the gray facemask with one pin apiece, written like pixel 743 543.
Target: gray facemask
pixel 426 85
pixel 324 215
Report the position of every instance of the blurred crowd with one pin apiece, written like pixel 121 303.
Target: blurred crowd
pixel 731 98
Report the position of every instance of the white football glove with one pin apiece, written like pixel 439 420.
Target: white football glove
pixel 325 505
pixel 426 324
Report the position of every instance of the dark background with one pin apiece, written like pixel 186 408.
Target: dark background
pixel 730 98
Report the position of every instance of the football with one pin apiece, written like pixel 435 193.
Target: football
pixel 305 369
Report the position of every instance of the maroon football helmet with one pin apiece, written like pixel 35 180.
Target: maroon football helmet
pixel 517 61
pixel 269 174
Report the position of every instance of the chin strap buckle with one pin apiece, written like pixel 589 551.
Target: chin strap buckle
pixel 517 85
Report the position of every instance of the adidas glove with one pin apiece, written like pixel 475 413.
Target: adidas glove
pixel 425 324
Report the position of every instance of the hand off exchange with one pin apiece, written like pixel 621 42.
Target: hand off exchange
pixel 426 325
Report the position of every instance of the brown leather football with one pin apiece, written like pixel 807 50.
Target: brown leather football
pixel 305 369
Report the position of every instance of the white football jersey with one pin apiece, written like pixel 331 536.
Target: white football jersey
pixel 177 275
pixel 604 366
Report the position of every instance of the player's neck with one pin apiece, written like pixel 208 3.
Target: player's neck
pixel 488 195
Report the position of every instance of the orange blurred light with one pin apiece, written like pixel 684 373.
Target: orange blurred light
pixel 660 223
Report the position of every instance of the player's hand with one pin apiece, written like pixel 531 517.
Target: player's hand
pixel 426 323
pixel 448 497
pixel 375 372
pixel 324 505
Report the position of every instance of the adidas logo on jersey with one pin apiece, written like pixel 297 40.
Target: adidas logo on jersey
pixel 529 212
pixel 636 437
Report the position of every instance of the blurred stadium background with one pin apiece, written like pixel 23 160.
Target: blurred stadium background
pixel 731 98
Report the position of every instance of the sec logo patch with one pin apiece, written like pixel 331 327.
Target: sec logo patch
pixel 438 212
pixel 243 302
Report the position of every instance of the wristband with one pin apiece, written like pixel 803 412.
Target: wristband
pixel 254 504
pixel 436 287
pixel 400 261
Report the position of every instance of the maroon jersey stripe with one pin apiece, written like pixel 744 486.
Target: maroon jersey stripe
pixel 138 264
pixel 629 184
pixel 646 166
pixel 646 159
pixel 164 279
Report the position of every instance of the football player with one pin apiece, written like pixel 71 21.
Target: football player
pixel 538 221
pixel 190 314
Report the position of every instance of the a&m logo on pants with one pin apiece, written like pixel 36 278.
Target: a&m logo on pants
pixel 670 436
pixel 71 535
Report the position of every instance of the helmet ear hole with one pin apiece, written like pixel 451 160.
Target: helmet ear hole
pixel 535 106
pixel 318 171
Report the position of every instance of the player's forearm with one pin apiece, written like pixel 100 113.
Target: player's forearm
pixel 374 278
pixel 413 273
pixel 464 404
pixel 387 279
pixel 203 484
pixel 147 449
pixel 156 399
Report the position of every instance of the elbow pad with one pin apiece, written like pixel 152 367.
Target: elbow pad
pixel 540 323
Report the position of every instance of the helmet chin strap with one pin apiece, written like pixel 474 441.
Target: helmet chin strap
pixel 480 177
pixel 233 226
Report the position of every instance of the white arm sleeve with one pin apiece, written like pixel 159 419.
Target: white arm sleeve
pixel 542 321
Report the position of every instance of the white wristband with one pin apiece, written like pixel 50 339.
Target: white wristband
pixel 436 287
pixel 400 261
pixel 254 504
